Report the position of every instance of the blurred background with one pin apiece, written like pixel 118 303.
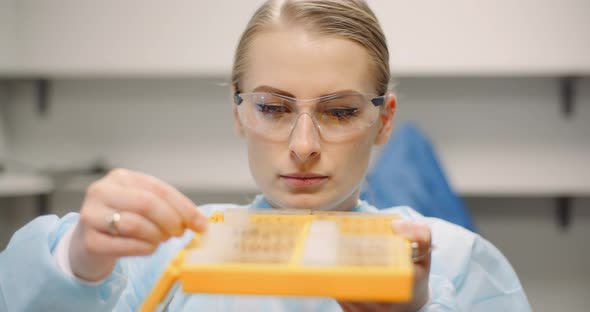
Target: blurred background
pixel 501 88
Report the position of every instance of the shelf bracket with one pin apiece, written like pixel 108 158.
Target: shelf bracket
pixel 567 92
pixel 563 211
pixel 42 202
pixel 43 89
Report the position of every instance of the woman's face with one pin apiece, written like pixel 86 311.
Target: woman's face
pixel 305 171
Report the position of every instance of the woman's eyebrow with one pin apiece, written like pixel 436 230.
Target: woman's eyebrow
pixel 270 89
pixel 347 91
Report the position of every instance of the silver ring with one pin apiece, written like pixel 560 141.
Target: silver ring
pixel 113 221
pixel 415 256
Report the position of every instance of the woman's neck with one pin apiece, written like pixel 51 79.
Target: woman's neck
pixel 348 204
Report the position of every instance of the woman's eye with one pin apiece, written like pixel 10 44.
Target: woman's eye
pixel 342 113
pixel 272 108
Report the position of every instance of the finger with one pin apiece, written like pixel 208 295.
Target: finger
pixel 130 224
pixel 139 201
pixel 348 306
pixel 418 233
pixel 423 237
pixel 191 215
pixel 116 246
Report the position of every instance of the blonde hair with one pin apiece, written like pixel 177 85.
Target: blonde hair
pixel 347 19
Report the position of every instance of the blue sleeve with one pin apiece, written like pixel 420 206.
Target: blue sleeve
pixel 469 274
pixel 30 279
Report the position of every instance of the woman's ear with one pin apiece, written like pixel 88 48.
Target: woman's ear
pixel 386 120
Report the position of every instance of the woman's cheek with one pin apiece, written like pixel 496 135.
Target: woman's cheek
pixel 262 157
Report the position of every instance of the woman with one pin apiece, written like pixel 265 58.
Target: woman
pixel 311 97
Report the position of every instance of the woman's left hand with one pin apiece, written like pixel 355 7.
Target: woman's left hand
pixel 415 232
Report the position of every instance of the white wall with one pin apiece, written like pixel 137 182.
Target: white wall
pixel 7 35
pixel 7 53
pixel 3 102
pixel 160 126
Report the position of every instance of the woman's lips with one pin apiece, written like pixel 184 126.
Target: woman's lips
pixel 303 179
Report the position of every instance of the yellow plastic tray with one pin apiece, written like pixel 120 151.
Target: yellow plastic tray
pixel 390 280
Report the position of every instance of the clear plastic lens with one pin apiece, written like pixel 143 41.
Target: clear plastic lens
pixel 336 117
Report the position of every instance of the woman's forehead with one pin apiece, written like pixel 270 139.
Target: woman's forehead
pixel 307 65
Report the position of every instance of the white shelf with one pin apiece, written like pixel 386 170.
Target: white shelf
pixel 13 184
pixel 186 38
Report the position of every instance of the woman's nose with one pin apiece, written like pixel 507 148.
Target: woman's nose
pixel 304 142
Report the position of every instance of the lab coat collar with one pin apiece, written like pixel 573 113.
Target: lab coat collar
pixel 261 203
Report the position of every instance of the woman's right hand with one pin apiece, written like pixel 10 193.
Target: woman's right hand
pixel 150 210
